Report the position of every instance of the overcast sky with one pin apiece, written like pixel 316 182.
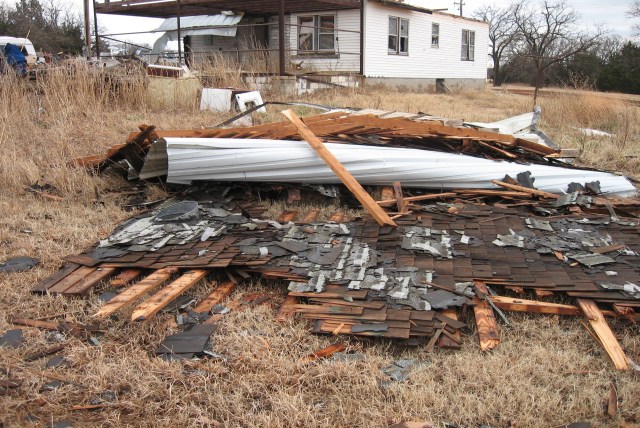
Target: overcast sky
pixel 611 13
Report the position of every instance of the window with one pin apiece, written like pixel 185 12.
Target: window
pixel 435 35
pixel 316 33
pixel 468 45
pixel 398 36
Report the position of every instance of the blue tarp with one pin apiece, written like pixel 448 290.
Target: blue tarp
pixel 15 58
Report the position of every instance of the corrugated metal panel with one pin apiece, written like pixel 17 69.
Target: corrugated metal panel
pixel 219 159
pixel 190 25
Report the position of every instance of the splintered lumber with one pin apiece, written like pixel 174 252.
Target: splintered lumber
pixel 488 333
pixel 126 277
pixel 221 292
pixel 391 202
pixel 603 333
pixel 347 179
pixel 525 189
pixel 126 297
pixel 324 352
pixel 286 311
pixel 453 341
pixel 162 298
pixel 400 202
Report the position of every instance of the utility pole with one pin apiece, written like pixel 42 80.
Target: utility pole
pixel 87 29
pixel 459 4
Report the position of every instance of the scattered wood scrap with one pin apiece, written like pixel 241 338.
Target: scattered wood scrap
pixel 604 334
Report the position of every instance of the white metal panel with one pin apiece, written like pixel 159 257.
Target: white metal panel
pixel 193 22
pixel 423 60
pixel 219 159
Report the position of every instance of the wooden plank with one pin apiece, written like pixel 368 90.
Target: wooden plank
pixel 128 296
pixel 445 341
pixel 345 177
pixel 72 279
pixel 603 332
pixel 162 298
pixel 217 296
pixel 90 281
pixel 287 216
pixel 285 312
pixel 516 304
pixel 488 333
pixel 400 202
pixel 525 189
pixel 126 277
pixel 311 216
pixel 53 279
pixel 391 202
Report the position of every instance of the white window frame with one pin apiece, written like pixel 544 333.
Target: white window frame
pixel 468 46
pixel 435 35
pixel 316 34
pixel 397 34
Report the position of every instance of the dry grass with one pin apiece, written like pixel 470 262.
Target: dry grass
pixel 546 372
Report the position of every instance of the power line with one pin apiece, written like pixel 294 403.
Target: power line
pixel 459 4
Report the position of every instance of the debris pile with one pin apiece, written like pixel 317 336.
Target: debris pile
pixel 407 274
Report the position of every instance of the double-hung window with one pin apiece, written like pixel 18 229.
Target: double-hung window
pixel 316 33
pixel 435 35
pixel 468 45
pixel 398 36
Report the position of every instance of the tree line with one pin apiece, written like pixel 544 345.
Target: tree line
pixel 543 43
pixel 52 26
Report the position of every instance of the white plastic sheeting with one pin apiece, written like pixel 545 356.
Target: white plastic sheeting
pixel 220 159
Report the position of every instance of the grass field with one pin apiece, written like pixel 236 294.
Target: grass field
pixel 547 371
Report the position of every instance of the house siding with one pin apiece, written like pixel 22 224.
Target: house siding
pixel 347 44
pixel 423 61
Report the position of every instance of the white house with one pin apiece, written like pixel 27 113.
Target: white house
pixel 384 41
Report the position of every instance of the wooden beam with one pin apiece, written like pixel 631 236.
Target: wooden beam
pixel 347 179
pixel 488 333
pixel 221 292
pixel 126 297
pixel 604 334
pixel 162 298
pixel 522 305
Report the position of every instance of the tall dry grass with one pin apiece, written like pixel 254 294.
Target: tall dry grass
pixel 548 371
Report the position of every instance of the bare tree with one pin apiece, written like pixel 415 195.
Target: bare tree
pixel 634 12
pixel 502 35
pixel 550 36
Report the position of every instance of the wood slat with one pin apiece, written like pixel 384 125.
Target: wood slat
pixel 446 341
pixel 311 216
pixel 602 330
pixel 162 298
pixel 126 277
pixel 516 304
pixel 72 279
pixel 84 285
pixel 488 333
pixel 217 296
pixel 53 279
pixel 128 296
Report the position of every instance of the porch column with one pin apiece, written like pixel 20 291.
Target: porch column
pixel 95 30
pixel 362 6
pixel 281 53
pixel 179 36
